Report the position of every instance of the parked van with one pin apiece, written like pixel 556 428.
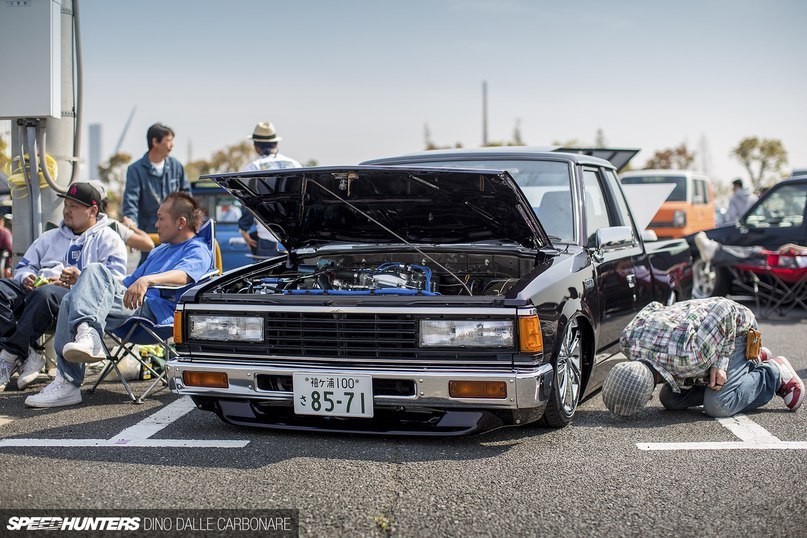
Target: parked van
pixel 689 208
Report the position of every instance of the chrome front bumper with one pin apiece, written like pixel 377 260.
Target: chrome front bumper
pixel 526 389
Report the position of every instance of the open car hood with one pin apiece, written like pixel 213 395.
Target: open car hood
pixel 315 206
pixel 619 157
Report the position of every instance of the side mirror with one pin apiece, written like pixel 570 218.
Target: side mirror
pixel 613 238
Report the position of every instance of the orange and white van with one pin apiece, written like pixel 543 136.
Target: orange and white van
pixel 689 208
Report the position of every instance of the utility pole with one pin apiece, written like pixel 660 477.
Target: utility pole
pixel 484 113
pixel 60 136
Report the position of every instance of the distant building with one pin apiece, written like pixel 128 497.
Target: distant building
pixel 95 150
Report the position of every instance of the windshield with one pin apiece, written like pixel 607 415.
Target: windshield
pixel 679 193
pixel 783 208
pixel 546 184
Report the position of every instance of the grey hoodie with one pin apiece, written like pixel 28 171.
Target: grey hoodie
pixel 59 248
pixel 741 201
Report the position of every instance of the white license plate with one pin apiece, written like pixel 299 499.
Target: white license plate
pixel 333 395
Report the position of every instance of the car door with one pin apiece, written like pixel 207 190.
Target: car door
pixel 777 219
pixel 616 278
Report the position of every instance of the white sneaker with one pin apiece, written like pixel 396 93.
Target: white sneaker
pixel 30 368
pixel 707 247
pixel 6 369
pixel 86 348
pixel 60 392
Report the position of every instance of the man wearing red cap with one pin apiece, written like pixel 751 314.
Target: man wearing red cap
pixel 29 302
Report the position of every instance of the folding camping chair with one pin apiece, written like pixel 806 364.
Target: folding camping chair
pixel 138 331
pixel 778 284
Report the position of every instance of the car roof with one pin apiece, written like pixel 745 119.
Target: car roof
pixel 665 172
pixel 507 152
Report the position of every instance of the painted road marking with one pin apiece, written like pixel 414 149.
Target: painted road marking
pixel 752 437
pixel 139 434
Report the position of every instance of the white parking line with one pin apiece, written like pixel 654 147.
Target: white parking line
pixel 752 437
pixel 139 434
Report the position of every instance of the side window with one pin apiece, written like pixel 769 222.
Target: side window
pixel 783 208
pixel 227 210
pixel 619 196
pixel 596 207
pixel 701 195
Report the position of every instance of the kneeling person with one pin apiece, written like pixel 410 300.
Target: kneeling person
pixel 98 301
pixel 700 341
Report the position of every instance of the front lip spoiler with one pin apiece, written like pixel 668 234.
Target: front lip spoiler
pixel 429 409
pixel 386 422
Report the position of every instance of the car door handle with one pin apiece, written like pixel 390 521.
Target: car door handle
pixel 631 280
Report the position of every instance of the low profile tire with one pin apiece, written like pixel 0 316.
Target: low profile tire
pixel 568 379
pixel 708 280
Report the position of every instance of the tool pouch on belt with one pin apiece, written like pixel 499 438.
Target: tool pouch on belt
pixel 753 341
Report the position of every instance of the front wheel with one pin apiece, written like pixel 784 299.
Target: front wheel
pixel 708 280
pixel 568 379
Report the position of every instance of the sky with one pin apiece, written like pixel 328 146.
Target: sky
pixel 352 80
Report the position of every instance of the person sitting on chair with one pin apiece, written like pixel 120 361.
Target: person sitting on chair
pixel 718 254
pixel 98 301
pixel 29 303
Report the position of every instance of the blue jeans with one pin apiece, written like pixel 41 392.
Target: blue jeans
pixel 749 385
pixel 96 299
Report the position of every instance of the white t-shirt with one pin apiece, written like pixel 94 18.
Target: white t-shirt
pixel 159 167
pixel 274 161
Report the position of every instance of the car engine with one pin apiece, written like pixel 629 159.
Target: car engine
pixel 327 278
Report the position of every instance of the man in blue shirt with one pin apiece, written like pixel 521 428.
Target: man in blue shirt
pixel 152 178
pixel 99 301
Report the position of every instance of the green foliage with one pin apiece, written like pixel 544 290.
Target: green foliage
pixel 763 158
pixel 4 158
pixel 112 174
pixel 671 158
pixel 230 159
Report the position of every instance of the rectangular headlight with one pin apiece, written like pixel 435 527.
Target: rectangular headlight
pixel 225 328
pixel 465 333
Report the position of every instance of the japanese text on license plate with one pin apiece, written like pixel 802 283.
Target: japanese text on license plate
pixel 336 395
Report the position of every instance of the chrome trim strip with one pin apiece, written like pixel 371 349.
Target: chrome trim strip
pixel 524 387
pixel 297 359
pixel 250 308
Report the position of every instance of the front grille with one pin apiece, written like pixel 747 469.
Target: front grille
pixel 368 340
pixel 341 335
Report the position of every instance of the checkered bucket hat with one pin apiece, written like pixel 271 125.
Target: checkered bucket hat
pixel 628 388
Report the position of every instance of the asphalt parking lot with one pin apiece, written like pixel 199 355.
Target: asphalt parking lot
pixel 661 473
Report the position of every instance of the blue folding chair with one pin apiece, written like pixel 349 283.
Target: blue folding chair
pixel 137 331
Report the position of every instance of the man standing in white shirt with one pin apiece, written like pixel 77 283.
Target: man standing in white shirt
pixel 741 201
pixel 265 141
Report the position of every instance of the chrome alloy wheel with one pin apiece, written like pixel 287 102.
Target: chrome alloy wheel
pixel 704 279
pixel 569 368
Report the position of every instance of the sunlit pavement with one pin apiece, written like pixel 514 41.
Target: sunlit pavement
pixel 595 477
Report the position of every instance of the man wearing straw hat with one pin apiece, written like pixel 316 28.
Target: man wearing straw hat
pixel 265 140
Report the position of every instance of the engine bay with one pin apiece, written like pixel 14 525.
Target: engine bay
pixel 453 274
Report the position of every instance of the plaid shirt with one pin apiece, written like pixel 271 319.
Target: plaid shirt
pixel 686 339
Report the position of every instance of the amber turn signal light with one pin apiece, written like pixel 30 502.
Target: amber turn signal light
pixel 178 327
pixel 477 389
pixel 529 334
pixel 214 380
